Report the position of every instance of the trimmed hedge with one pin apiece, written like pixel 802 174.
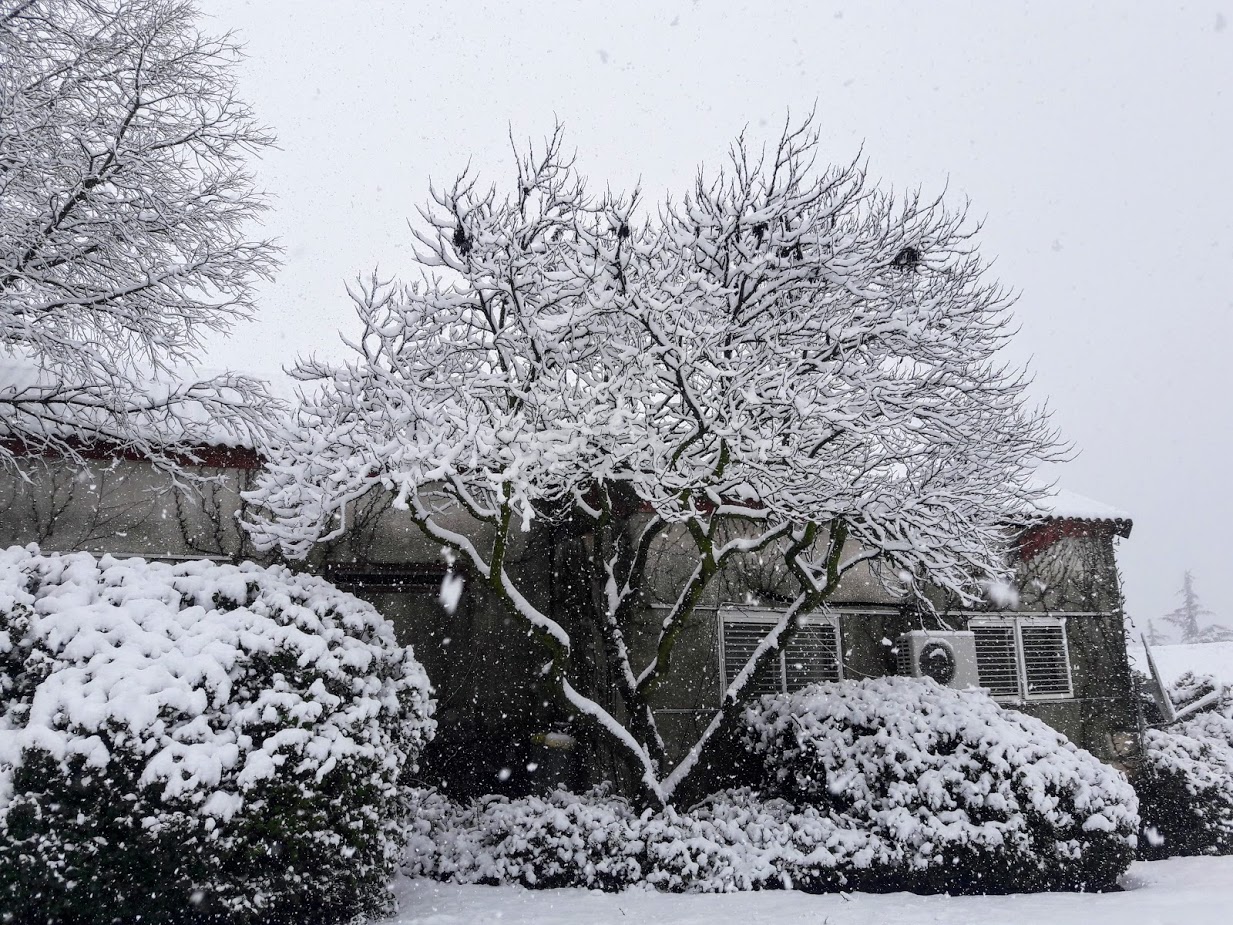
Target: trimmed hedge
pixel 198 743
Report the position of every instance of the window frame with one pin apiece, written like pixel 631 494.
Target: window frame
pixel 767 617
pixel 388 578
pixel 1017 622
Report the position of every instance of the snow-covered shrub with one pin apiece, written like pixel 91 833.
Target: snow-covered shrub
pixel 888 784
pixel 952 792
pixel 1190 688
pixel 1185 777
pixel 716 847
pixel 198 742
pixel 735 840
pixel 563 839
pixel 598 841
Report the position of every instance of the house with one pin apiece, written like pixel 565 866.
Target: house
pixel 1053 645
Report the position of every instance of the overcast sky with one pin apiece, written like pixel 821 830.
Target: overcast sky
pixel 1094 139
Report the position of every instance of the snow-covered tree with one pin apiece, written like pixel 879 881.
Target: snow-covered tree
pixel 1186 617
pixel 124 201
pixel 787 362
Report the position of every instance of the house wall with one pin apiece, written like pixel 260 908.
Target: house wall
pixel 484 668
pixel 1071 570
pixel 1065 572
pixel 121 506
pixel 1099 717
pixel 493 709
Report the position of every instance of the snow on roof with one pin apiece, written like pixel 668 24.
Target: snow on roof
pixel 1213 658
pixel 1064 504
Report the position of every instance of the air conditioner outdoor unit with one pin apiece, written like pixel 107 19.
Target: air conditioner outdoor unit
pixel 949 657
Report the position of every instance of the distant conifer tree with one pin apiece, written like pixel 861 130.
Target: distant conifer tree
pixel 1186 617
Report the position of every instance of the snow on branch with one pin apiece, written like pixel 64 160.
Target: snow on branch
pixel 786 351
pixel 124 199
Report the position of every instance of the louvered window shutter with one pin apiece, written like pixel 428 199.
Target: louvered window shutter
pixel 812 656
pixel 741 637
pixel 1045 659
pixel 997 665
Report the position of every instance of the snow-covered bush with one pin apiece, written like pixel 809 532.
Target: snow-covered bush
pixel 1185 777
pixel 887 784
pixel 1190 688
pixel 731 842
pixel 198 742
pixel 563 839
pixel 953 792
pixel 737 840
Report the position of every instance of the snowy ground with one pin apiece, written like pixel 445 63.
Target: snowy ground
pixel 1214 658
pixel 1180 891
